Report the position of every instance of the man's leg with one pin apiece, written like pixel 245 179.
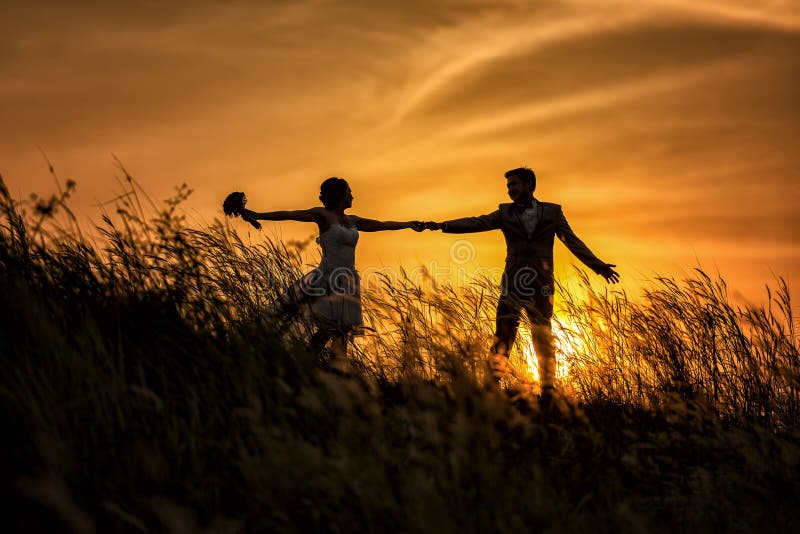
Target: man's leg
pixel 545 348
pixel 507 322
pixel 540 314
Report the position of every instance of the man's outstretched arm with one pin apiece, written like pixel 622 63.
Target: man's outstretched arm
pixel 582 252
pixel 468 225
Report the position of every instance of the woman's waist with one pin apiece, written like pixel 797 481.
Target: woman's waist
pixel 328 267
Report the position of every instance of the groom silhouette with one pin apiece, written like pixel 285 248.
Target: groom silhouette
pixel 529 227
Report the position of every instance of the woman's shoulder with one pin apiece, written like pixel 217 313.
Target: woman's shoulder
pixel 329 218
pixel 323 215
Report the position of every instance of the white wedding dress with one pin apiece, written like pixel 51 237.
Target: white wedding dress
pixel 330 295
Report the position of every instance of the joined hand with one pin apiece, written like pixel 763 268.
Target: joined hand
pixel 432 225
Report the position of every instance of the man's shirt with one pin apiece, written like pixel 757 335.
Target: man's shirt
pixel 529 216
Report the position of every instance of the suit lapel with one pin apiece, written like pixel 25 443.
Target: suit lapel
pixel 516 221
pixel 539 218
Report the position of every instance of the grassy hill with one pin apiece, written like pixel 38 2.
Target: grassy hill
pixel 145 387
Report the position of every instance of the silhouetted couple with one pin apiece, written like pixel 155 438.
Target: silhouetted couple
pixel 331 292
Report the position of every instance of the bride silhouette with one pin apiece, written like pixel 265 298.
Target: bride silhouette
pixel 330 293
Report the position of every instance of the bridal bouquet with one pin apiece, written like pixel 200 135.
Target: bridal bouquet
pixel 233 206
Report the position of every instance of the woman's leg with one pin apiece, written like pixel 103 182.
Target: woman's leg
pixel 319 340
pixel 338 343
pixel 339 346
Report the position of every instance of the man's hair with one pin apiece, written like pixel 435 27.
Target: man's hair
pixel 332 191
pixel 523 173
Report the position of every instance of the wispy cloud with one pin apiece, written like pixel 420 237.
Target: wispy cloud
pixel 781 14
pixel 591 99
pixel 455 52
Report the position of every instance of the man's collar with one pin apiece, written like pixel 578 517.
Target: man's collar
pixel 522 205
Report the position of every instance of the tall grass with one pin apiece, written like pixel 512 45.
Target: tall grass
pixel 687 340
pixel 149 383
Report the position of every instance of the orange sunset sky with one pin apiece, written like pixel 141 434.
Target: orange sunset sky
pixel 667 129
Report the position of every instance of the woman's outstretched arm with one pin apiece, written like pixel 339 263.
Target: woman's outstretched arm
pixel 309 215
pixel 371 225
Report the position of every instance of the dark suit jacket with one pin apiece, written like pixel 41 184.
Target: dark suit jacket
pixel 524 249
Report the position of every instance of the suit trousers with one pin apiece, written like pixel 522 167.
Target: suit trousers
pixel 531 290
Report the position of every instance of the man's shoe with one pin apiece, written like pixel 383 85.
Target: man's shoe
pixel 546 399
